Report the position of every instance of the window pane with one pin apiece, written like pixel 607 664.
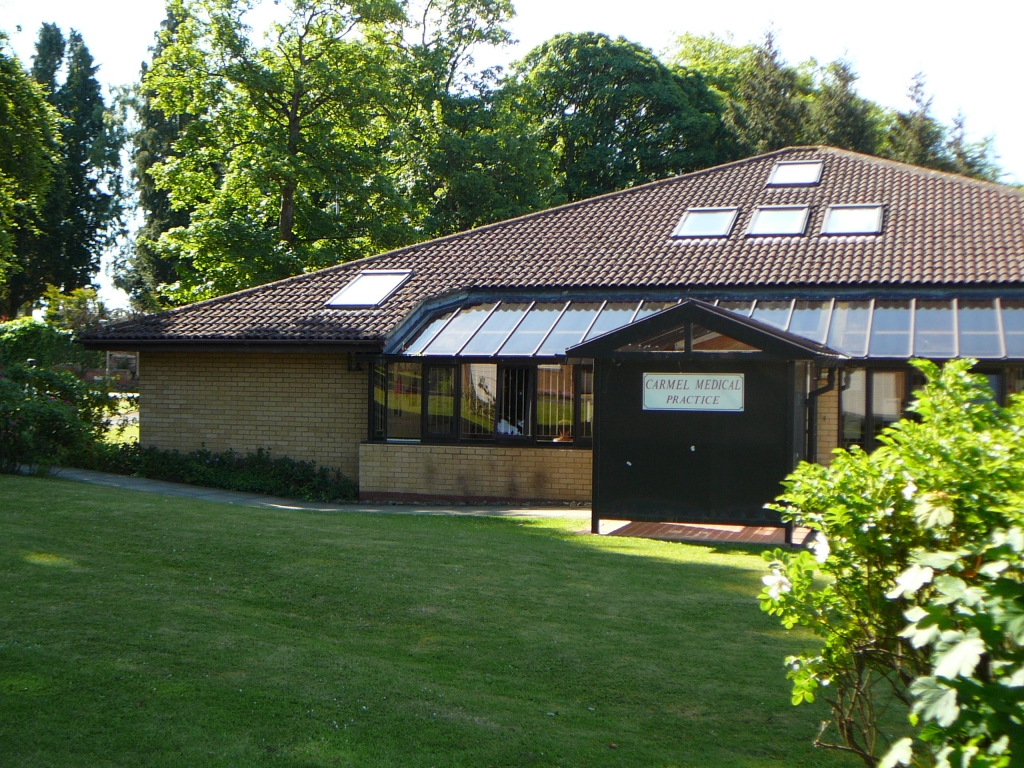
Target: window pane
pixel 614 315
pixel 479 393
pixel 586 402
pixel 441 400
pixel 810 319
pixel 778 221
pixel 739 307
pixel 979 329
pixel 890 329
pixel 849 331
pixel 514 415
pixel 712 341
pixel 369 289
pixel 650 307
pixel 933 329
pixel 497 328
pixel 554 403
pixel 464 325
pixel 379 418
pixel 570 328
pixel 773 312
pixel 854 408
pixel 853 220
pixel 531 331
pixel 427 334
pixel 887 398
pixel 715 222
pixel 1013 327
pixel 795 173
pixel 404 395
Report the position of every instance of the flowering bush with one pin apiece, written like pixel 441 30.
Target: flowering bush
pixel 45 415
pixel 933 518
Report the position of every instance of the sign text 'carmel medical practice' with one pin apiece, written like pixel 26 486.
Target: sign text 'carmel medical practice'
pixel 693 392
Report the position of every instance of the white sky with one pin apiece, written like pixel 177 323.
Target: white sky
pixel 968 51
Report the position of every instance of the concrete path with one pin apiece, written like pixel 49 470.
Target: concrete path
pixel 271 502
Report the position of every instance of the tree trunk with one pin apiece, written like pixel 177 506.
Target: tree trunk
pixel 286 221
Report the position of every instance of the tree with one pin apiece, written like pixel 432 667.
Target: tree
pixel 838 117
pixel 279 162
pixel 29 146
pixel 932 516
pixel 613 114
pixel 82 202
pixel 77 311
pixel 144 267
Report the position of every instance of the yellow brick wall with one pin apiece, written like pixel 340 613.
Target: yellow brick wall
pixel 301 405
pixel 828 424
pixel 481 472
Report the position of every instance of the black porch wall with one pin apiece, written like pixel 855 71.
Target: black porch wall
pixel 644 468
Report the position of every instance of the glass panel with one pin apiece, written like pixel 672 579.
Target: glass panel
pixel 979 329
pixel 849 331
pixel 379 418
pixel 650 307
pixel 773 312
pixel 441 400
pixel 853 220
pixel 933 329
pixel 614 315
pixel 854 408
pixel 890 329
pixel 796 173
pixel 1013 327
pixel 779 221
pixel 739 307
pixel 887 398
pixel 810 320
pixel 427 334
pixel 404 395
pixel 369 289
pixel 712 341
pixel 669 341
pixel 554 403
pixel 570 328
pixel 586 402
pixel 711 222
pixel 514 415
pixel 531 331
pixel 479 393
pixel 995 383
pixel 450 340
pixel 497 328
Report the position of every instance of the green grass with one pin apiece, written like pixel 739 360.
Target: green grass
pixel 139 630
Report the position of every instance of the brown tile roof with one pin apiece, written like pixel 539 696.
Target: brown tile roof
pixel 940 230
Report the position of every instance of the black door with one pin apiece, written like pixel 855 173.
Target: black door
pixel 694 466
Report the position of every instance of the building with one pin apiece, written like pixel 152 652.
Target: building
pixel 669 351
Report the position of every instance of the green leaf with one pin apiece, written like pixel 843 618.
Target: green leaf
pixel 932 510
pixel 900 753
pixel 962 657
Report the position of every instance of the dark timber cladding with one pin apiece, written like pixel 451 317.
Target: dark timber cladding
pixel 699 415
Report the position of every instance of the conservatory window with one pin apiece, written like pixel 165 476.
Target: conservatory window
pixel 403 406
pixel 479 397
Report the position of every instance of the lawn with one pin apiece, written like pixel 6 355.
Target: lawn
pixel 139 630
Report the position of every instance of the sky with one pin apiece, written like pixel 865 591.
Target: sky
pixel 967 51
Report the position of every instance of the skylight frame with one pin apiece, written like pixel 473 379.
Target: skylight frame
pixel 757 212
pixel 678 234
pixel 335 301
pixel 772 182
pixel 880 207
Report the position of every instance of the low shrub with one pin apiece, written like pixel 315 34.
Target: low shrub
pixel 45 416
pixel 26 339
pixel 254 472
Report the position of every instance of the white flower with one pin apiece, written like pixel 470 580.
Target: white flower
pixel 821 548
pixel 777 583
pixel 909 490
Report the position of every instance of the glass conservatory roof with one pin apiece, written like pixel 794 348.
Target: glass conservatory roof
pixel 872 328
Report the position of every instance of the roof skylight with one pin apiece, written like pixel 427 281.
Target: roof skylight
pixel 852 220
pixel 779 220
pixel 370 288
pixel 706 222
pixel 795 173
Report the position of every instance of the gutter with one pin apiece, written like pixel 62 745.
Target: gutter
pixel 362 347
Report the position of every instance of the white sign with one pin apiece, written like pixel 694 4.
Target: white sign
pixel 693 392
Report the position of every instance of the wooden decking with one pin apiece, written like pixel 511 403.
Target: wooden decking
pixel 709 534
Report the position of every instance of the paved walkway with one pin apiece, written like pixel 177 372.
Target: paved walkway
pixel 182 490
